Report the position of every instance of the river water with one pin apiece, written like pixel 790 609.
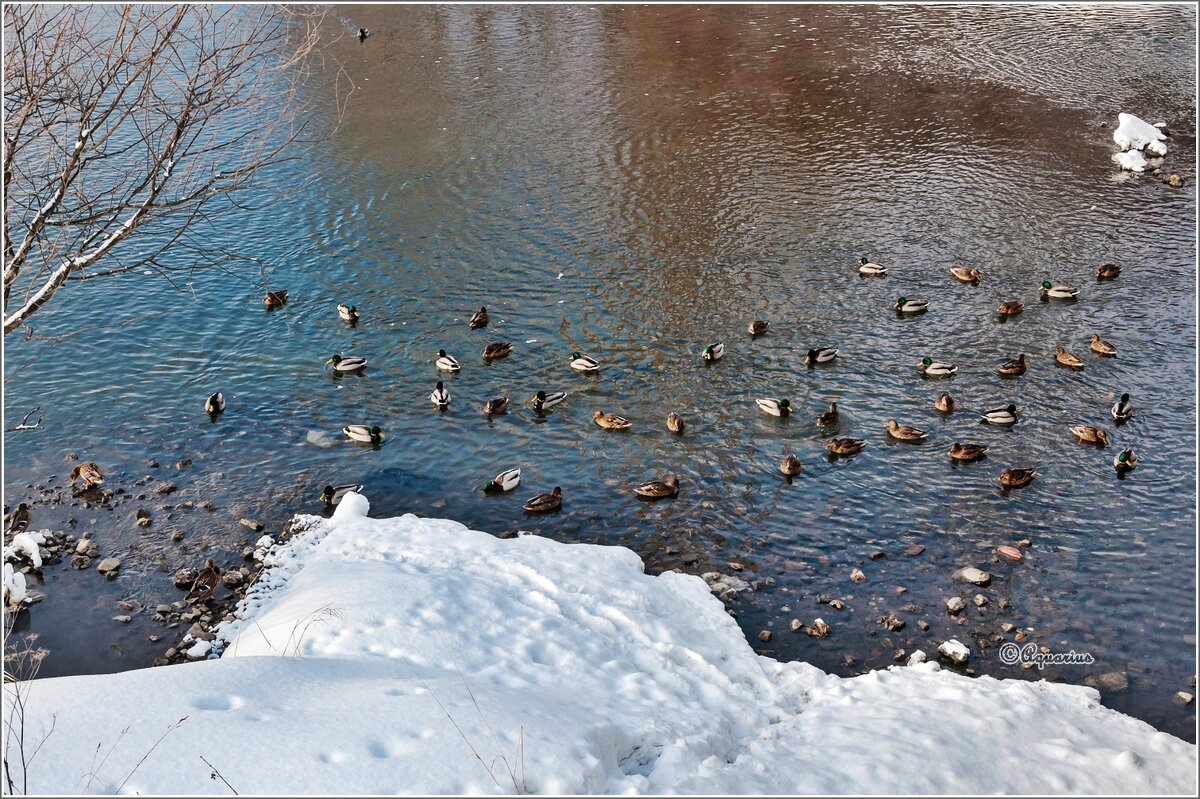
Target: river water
pixel 636 183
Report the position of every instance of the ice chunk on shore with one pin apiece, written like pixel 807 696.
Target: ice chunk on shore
pixel 1135 133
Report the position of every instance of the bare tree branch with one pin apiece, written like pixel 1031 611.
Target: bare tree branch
pixel 137 123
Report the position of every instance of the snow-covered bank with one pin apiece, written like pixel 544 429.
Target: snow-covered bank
pixel 381 655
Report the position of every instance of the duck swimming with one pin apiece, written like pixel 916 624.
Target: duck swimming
pixel 1013 368
pixel 865 267
pixel 545 502
pixel 932 368
pixel 714 352
pixel 904 432
pixel 907 306
pixel 214 404
pixel 656 489
pixel 966 275
pixel 1058 291
pixel 349 363
pixel 758 327
pixel 1122 409
pixel 480 319
pixel 675 422
pixel 773 407
pixel 440 396
pixel 610 421
pixel 1102 347
pixel 582 363
pixel 944 403
pixel 363 434
pixel 496 350
pixel 332 495
pixel 447 363
pixel 505 481
pixel 820 355
pixel 967 452
pixel 543 400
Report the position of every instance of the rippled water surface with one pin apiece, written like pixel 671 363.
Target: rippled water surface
pixel 637 183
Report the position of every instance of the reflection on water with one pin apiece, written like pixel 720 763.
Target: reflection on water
pixel 637 183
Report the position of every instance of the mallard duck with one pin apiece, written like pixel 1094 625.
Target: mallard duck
pixel 363 33
pixel 610 421
pixel 542 400
pixel 87 473
pixel 904 432
pixel 497 349
pixel 713 352
pixel 505 481
pixel 758 327
pixel 830 417
pixel 965 275
pixel 865 267
pixel 480 319
pixel 545 502
pixel 349 363
pixel 332 495
pixel 1102 347
pixel 1126 461
pixel 1087 434
pixel 348 313
pixel 1013 368
pixel 582 363
pixel 820 355
pixel 1010 307
pixel 275 299
pixel 440 396
pixel 363 434
pixel 905 305
pixel 944 402
pixel 967 452
pixel 1068 358
pixel 1108 271
pixel 656 489
pixel 1017 478
pixel 675 422
pixel 791 466
pixel 495 406
pixel 773 407
pixel 1005 415
pixel 206 582
pixel 1058 291
pixel 932 368
pixel 1122 409
pixel 215 404
pixel 446 362
pixel 18 520
pixel 845 446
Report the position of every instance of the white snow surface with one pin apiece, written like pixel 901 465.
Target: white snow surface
pixel 380 655
pixel 1133 161
pixel 1135 133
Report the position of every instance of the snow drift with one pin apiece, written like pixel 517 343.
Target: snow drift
pixel 416 656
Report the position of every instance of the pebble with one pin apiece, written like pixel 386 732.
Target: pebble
pixel 126 605
pixel 232 579
pixel 1175 181
pixel 207 504
pixel 892 623
pixel 162 607
pixel 849 660
pixel 154 639
pixel 1012 553
pixel 857 576
pixel 819 629
pixel 924 625
pixel 143 517
pixel 123 619
pixel 1184 698
pixel 1008 627
pixel 82 547
pixel 980 600
pixel 916 657
pixel 253 525
pixel 837 604
pixel 198 632
pixel 955 605
pixel 183 464
pixel 172 652
pixel 80 562
pixel 153 464
pixel 796 625
pixel 177 536
pixel 185 577
pixel 955 651
pixel 1111 681
pixel 737 567
pixel 876 555
pixel 165 487
pixel 912 550
pixel 972 575
pixel 764 636
pixel 108 567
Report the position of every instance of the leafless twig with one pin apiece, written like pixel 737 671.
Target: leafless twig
pixel 24 422
pixel 217 775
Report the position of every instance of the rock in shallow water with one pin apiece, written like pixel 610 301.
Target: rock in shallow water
pixel 972 575
pixel 955 651
pixel 108 566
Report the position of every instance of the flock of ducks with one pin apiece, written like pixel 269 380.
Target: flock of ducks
pixel 791 466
